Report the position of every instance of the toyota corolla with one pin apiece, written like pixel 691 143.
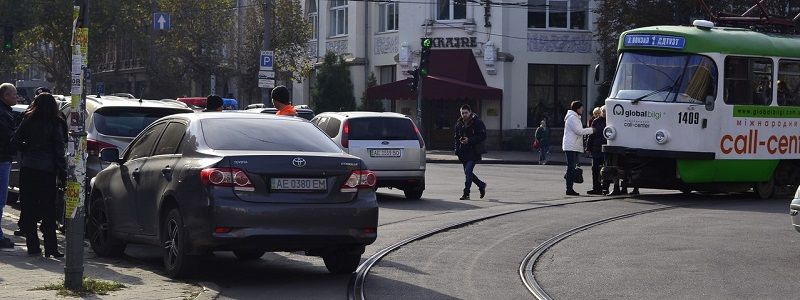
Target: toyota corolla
pixel 241 182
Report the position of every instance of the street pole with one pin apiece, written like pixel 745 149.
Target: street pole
pixel 76 151
pixel 419 106
pixel 267 45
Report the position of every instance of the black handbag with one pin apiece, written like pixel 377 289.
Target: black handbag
pixel 578 175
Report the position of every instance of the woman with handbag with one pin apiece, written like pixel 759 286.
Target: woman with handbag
pixel 572 143
pixel 469 136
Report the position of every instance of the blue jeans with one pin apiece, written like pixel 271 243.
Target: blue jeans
pixel 5 172
pixel 544 149
pixel 470 177
pixel 572 159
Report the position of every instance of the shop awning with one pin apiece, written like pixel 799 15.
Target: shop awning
pixel 454 75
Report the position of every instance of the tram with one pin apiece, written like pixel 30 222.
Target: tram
pixel 705 108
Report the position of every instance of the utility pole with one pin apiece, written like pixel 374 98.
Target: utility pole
pixel 267 45
pixel 76 149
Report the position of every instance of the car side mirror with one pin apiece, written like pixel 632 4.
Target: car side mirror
pixel 110 155
pixel 710 103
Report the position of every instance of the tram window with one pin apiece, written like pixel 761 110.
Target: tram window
pixel 789 83
pixel 748 81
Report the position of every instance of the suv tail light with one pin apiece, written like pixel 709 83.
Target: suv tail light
pixel 419 135
pixel 93 147
pixel 346 134
pixel 359 179
pixel 228 177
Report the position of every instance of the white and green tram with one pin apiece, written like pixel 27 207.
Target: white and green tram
pixel 705 108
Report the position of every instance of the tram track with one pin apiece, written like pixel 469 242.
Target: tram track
pixel 528 264
pixel 357 282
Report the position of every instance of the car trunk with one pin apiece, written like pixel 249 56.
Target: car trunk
pixel 385 143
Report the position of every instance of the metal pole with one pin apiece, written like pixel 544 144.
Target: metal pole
pixel 76 162
pixel 419 105
pixel 267 46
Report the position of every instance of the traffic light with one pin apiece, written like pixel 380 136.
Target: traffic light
pixel 424 57
pixel 414 83
pixel 8 38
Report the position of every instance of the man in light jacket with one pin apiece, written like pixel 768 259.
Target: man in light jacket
pixel 572 143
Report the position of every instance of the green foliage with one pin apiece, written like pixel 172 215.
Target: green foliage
pixel 89 287
pixel 333 89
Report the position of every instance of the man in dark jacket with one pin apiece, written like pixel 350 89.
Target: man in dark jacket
pixel 470 133
pixel 595 147
pixel 8 98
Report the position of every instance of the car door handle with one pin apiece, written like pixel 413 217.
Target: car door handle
pixel 136 173
pixel 166 171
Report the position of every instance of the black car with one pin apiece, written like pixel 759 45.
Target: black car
pixel 242 182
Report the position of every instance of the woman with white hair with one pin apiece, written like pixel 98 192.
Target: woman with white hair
pixel 8 98
pixel 595 147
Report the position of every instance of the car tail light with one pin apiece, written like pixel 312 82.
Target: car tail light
pixel 346 134
pixel 93 147
pixel 228 177
pixel 359 179
pixel 419 136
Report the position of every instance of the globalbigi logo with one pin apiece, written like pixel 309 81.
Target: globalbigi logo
pixel 621 111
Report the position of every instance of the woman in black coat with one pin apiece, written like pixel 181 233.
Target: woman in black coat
pixel 469 135
pixel 41 142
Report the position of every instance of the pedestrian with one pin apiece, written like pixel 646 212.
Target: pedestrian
pixel 213 103
pixel 282 101
pixel 21 221
pixel 469 136
pixel 595 147
pixel 40 139
pixel 7 126
pixel 543 136
pixel 572 142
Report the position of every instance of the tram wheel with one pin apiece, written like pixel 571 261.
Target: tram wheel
pixel 765 190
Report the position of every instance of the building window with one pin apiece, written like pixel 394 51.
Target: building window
pixel 551 88
pixel 388 74
pixel 566 14
pixel 313 18
pixel 387 16
pixel 338 17
pixel 451 9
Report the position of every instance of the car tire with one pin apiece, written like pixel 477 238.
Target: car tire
pixel 177 262
pixel 98 230
pixel 342 262
pixel 245 255
pixel 414 192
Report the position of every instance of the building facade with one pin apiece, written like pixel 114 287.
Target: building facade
pixel 540 55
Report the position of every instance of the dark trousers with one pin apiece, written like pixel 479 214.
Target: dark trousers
pixel 572 160
pixel 39 190
pixel 598 159
pixel 469 176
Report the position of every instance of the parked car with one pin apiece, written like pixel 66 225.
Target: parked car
pixel 389 143
pixel 794 210
pixel 115 121
pixel 242 182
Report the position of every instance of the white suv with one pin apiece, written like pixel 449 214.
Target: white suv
pixel 389 143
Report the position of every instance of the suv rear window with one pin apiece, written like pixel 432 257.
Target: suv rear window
pixel 129 121
pixel 381 129
pixel 266 135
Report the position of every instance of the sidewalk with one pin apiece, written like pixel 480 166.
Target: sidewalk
pixel 556 157
pixel 20 273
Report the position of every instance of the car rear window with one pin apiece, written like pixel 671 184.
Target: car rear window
pixel 128 121
pixel 266 135
pixel 381 129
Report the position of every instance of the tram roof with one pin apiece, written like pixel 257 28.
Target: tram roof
pixel 724 40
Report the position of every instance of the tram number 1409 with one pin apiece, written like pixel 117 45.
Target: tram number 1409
pixel 688 118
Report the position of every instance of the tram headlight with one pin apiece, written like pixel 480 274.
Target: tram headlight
pixel 610 133
pixel 662 136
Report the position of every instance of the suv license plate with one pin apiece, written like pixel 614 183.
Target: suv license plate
pixel 299 184
pixel 384 152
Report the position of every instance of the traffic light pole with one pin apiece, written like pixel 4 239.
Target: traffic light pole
pixel 76 152
pixel 419 105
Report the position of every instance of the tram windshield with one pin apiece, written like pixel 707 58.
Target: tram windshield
pixel 665 77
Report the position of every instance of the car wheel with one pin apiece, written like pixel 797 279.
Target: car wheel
pixel 245 255
pixel 341 262
pixel 98 230
pixel 765 190
pixel 413 194
pixel 177 262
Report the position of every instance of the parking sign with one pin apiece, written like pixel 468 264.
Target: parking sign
pixel 266 60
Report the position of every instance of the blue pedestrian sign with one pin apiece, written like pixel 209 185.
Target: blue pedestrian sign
pixel 161 21
pixel 266 60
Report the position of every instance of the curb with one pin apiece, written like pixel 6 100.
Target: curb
pixel 210 291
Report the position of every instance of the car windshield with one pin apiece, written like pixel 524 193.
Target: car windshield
pixel 381 129
pixel 665 77
pixel 127 121
pixel 266 135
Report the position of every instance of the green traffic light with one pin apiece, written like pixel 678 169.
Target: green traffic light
pixel 7 46
pixel 426 43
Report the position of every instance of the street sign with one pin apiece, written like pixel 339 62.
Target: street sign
pixel 266 60
pixel 266 83
pixel 266 75
pixel 161 21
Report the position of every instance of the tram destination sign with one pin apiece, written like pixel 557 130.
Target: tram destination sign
pixel 654 41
